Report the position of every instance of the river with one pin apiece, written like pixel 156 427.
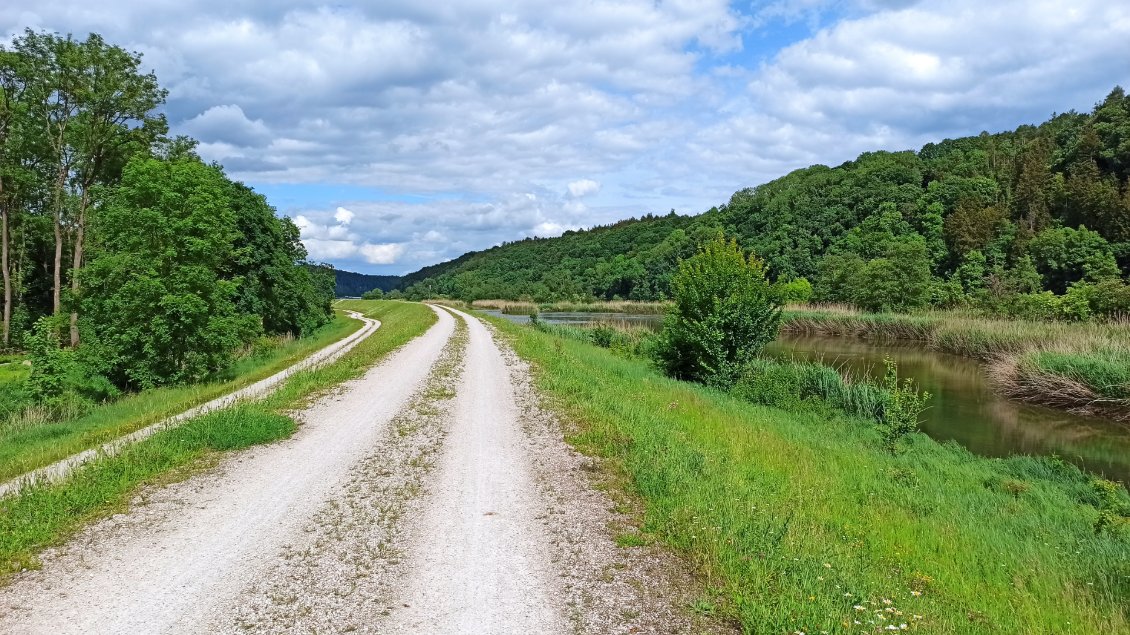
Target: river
pixel 963 407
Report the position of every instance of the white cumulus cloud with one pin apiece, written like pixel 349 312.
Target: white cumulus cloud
pixel 583 187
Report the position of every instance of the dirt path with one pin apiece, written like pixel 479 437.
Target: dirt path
pixel 159 572
pixel 482 558
pixel 60 469
pixel 431 496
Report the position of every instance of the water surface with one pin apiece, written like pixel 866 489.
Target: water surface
pixel 964 408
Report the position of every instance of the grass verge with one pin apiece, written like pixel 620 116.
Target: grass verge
pixel 800 521
pixel 43 515
pixel 30 438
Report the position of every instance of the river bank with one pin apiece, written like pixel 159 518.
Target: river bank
pixel 1083 368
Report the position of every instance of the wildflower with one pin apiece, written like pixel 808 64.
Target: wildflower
pixel 859 608
pixel 820 578
pixel 903 627
pixel 827 566
pixel 886 601
pixel 890 627
pixel 915 617
pixel 916 593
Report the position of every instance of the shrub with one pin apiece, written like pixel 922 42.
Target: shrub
pixel 374 294
pixel 798 291
pixel 724 313
pixel 903 409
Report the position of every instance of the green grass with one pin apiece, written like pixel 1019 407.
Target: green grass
pixel 45 515
pixel 1108 372
pixel 794 518
pixel 30 439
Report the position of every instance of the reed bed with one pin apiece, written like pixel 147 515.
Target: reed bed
pixel 1080 367
pixel 517 307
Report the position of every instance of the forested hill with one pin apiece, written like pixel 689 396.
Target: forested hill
pixel 352 285
pixel 975 219
pixel 629 259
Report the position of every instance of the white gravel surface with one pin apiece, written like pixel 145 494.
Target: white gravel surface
pixel 432 496
pixel 61 468
pixel 481 562
pixel 162 574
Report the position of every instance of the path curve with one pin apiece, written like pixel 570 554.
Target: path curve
pixel 61 468
pixel 162 574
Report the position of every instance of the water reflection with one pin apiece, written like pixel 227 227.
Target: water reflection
pixel 963 408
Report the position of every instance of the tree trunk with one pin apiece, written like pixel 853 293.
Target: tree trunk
pixel 7 274
pixel 57 281
pixel 79 237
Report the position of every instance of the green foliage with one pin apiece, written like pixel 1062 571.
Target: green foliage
pixel 902 411
pixel 1064 256
pixel 268 262
pixel 373 294
pixel 724 313
pixel 62 379
pixel 157 290
pixel 798 291
pixel 794 385
pixel 898 280
pixel 990 213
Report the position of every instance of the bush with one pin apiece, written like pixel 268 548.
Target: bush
pixel 61 377
pixel 724 313
pixel 1110 299
pixel 798 291
pixel 904 407
pixel 374 294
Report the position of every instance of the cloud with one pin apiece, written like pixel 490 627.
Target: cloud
pixel 467 120
pixel 584 187
pixel 227 123
pixel 382 254
pixel 343 216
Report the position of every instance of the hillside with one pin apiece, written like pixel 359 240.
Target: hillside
pixel 352 285
pixel 974 219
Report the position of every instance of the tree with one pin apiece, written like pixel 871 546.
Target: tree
pixel 115 119
pixel 971 227
pixel 724 313
pixel 373 294
pixel 158 299
pixel 898 281
pixel 1064 256
pixel 94 108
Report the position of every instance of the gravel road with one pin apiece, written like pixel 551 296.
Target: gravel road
pixel 432 495
pixel 60 469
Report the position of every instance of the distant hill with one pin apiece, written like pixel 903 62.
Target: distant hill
pixel 351 285
pixel 632 258
pixel 960 221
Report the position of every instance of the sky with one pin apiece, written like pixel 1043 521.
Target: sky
pixel 402 133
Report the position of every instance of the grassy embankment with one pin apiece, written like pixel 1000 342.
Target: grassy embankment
pixel 514 307
pixel 43 515
pixel 31 438
pixel 1082 367
pixel 800 521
